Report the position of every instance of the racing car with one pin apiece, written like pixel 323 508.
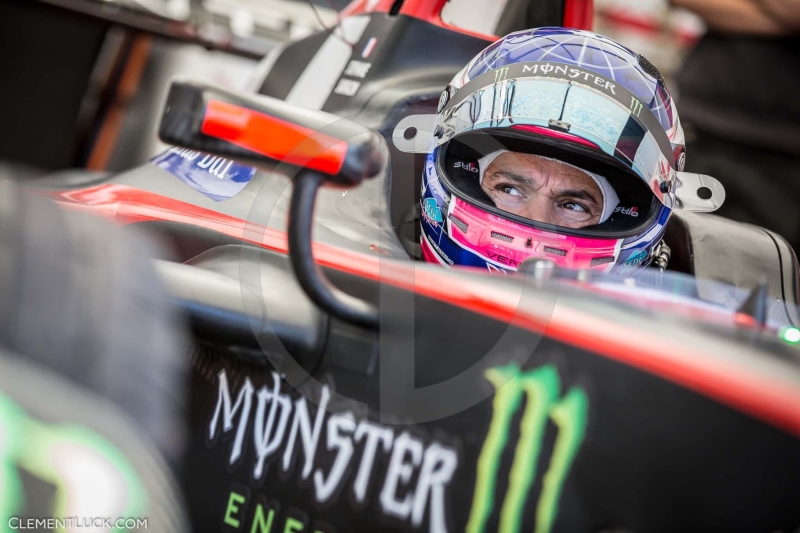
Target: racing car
pixel 340 385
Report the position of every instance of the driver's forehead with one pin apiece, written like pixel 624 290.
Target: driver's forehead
pixel 538 168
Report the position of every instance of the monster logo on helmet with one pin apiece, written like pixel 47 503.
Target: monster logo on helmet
pixel 571 133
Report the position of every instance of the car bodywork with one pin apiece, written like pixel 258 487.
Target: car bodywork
pixel 484 402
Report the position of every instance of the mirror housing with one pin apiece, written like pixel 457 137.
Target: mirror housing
pixel 264 131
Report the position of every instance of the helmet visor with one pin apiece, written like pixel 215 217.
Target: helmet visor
pixel 571 99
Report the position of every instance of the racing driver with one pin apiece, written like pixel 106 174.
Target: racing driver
pixel 553 143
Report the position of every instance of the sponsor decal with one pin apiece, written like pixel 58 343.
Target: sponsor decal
pixel 630 211
pixel 346 87
pixel 357 69
pixel 500 74
pixel 636 258
pixel 681 162
pixel 568 72
pixel 636 106
pixel 370 46
pixel 439 251
pixel 470 166
pixel 216 177
pixel 90 477
pixel 500 258
pixel 534 395
pixel 496 270
pixel 335 454
pixel 431 212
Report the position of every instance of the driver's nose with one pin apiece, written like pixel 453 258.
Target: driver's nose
pixel 539 209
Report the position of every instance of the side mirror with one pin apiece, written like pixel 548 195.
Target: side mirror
pixel 264 131
pixel 260 130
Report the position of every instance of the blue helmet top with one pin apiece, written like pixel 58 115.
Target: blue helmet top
pixel 587 50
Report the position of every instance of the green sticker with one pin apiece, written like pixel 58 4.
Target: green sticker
pixel 540 388
pixel 60 454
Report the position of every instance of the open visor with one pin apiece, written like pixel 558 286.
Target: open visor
pixel 569 99
pixel 555 186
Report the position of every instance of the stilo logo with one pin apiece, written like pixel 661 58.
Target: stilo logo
pixel 540 388
pixel 630 211
pixel 472 167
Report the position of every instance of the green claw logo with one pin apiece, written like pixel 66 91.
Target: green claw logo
pixel 91 476
pixel 635 107
pixel 500 74
pixel 541 388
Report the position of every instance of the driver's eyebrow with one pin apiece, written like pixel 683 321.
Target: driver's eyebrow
pixel 513 176
pixel 578 193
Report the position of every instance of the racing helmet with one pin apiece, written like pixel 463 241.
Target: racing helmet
pixel 553 143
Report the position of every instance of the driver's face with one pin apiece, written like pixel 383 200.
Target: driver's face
pixel 543 190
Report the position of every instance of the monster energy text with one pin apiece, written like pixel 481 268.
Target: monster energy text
pixel 415 482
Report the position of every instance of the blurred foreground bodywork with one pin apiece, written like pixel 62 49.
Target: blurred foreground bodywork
pixel 91 392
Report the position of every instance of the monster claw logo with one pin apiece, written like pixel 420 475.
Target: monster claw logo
pixel 636 106
pixel 86 473
pixel 500 74
pixel 540 388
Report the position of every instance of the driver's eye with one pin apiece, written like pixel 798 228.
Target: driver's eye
pixel 572 206
pixel 509 190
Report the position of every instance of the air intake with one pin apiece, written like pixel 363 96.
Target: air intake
pixel 502 237
pixel 555 251
pixel 457 222
pixel 601 261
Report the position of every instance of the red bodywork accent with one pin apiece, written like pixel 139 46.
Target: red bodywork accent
pixel 275 138
pixel 560 135
pixel 651 26
pixel 577 13
pixel 737 385
pixel 431 11
pixel 359 7
pixel 427 253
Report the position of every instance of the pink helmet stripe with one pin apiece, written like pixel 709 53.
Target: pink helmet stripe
pixel 508 244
